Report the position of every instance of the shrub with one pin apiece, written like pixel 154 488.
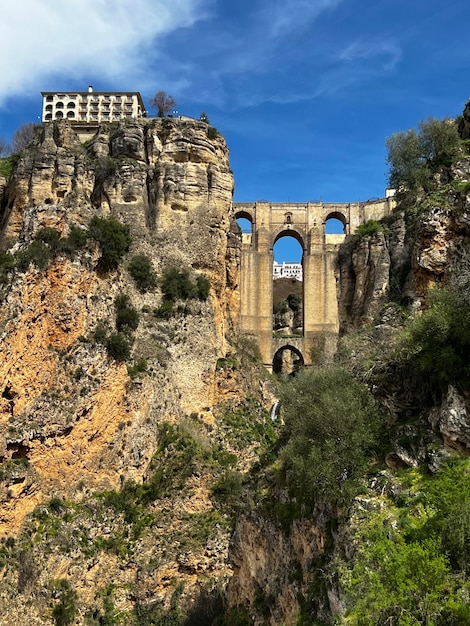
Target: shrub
pixel 203 287
pixel 176 285
pixel 65 610
pixel 127 317
pixel 50 236
pixel 140 367
pixel 371 227
pixel 331 431
pixel 212 133
pixel 100 335
pixel 140 268
pixel 165 310
pixel 37 252
pixel 114 240
pixel 438 341
pixel 77 237
pixel 228 488
pixel 118 347
pixel 280 307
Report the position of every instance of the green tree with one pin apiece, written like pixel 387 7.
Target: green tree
pixel 397 583
pixel 176 285
pixel 415 156
pixel 127 317
pixel 140 268
pixel 437 342
pixel 332 428
pixel 114 240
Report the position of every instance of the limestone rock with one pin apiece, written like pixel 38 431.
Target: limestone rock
pixel 452 419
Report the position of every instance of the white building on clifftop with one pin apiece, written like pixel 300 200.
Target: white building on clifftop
pixel 91 107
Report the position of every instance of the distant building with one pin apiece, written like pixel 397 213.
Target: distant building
pixel 91 107
pixel 287 270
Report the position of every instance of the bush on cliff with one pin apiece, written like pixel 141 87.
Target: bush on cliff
pixel 114 240
pixel 332 428
pixel 127 317
pixel 437 342
pixel 140 268
pixel 177 285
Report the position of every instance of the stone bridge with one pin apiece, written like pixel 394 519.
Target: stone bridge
pixel 306 223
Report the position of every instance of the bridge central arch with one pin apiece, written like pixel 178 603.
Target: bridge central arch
pixel 306 223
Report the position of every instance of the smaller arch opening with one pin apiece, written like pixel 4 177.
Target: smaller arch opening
pixel 335 224
pixel 48 117
pixel 70 114
pixel 287 361
pixel 288 217
pixel 48 107
pixel 71 105
pixel 59 105
pixel 245 223
pixel 59 115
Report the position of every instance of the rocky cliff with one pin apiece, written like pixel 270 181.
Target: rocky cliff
pixel 77 427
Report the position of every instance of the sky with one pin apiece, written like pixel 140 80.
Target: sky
pixel 304 91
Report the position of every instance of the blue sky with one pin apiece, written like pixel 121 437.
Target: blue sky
pixel 304 91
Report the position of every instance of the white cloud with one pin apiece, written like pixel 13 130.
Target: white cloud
pixel 285 17
pixel 76 37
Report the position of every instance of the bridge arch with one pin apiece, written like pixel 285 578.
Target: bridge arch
pixel 290 366
pixel 337 216
pixel 290 231
pixel 245 214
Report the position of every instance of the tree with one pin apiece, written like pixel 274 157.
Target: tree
pixel 114 239
pixel 415 156
pixel 332 429
pixel 4 147
pixel 163 103
pixel 23 136
pixel 203 118
pixel 140 268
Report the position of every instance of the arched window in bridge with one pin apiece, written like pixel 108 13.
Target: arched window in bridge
pixel 245 224
pixel 287 286
pixel 335 224
pixel 288 218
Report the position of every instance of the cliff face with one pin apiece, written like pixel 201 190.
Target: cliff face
pixel 74 422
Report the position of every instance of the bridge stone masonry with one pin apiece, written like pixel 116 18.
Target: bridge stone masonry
pixel 306 223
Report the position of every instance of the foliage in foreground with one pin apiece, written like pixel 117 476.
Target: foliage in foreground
pixel 411 560
pixel 332 428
